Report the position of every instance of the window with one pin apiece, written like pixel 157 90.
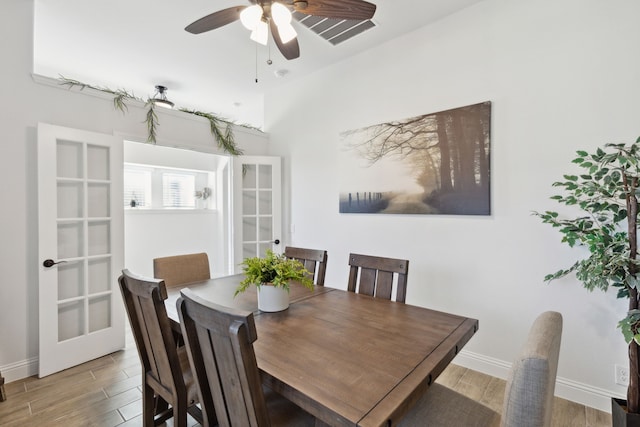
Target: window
pixel 178 190
pixel 152 187
pixel 137 188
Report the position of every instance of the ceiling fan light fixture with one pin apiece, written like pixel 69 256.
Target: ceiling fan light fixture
pixel 300 5
pixel 160 98
pixel 260 34
pixel 251 16
pixel 287 32
pixel 280 14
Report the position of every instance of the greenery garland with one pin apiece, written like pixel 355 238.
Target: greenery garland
pixel 225 139
pixel 230 144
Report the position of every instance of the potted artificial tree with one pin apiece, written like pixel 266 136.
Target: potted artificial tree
pixel 272 276
pixel 607 193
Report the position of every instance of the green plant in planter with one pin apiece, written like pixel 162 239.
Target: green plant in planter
pixel 607 193
pixel 274 269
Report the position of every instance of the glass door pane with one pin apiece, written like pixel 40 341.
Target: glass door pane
pixel 83 196
pixel 258 206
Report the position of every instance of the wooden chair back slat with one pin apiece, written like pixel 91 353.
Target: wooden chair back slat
pixel 367 281
pixel 373 276
pixel 401 290
pixel 311 266
pixel 182 269
pixel 314 260
pixel 219 341
pixel 384 284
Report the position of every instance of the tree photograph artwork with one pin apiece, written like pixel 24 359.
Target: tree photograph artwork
pixel 431 164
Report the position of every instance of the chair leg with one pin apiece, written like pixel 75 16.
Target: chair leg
pixel 160 405
pixel 162 411
pixel 148 403
pixel 180 415
pixel 197 414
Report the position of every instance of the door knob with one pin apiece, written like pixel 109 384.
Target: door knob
pixel 50 263
pixel 277 241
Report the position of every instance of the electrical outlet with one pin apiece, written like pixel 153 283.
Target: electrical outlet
pixel 622 375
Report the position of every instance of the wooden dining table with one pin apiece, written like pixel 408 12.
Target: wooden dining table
pixel 346 358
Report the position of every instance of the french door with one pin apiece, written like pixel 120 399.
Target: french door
pixel 257 206
pixel 81 246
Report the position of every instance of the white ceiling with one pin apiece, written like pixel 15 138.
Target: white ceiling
pixel 137 44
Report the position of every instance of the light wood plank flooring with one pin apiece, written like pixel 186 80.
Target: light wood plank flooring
pixel 106 392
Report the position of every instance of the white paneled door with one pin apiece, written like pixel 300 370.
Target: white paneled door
pixel 257 209
pixel 81 246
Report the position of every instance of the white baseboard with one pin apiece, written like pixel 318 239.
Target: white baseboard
pixel 19 370
pixel 584 394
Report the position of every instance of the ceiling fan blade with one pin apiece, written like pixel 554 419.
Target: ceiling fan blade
pixel 343 9
pixel 215 20
pixel 291 49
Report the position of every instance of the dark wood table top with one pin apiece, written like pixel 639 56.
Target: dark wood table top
pixel 348 359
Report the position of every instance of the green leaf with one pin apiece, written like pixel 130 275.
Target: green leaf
pixel 152 121
pixel 631 281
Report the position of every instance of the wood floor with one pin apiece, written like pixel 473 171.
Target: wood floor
pixel 106 392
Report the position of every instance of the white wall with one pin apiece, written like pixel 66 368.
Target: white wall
pixel 562 75
pixel 24 104
pixel 150 235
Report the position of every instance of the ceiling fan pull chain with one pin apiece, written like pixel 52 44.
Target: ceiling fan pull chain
pixel 256 63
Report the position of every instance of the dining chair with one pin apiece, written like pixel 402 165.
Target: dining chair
pixel 166 374
pixel 182 269
pixel 314 260
pixel 219 342
pixel 372 275
pixel 528 398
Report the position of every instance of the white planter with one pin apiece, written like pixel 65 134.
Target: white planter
pixel 272 299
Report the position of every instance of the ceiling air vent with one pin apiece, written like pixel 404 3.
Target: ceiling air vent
pixel 335 31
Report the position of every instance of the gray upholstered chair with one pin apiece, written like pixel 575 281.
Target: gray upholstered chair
pixel 528 399
pixel 182 269
pixel 314 260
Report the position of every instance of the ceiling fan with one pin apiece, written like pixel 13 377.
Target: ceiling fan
pixel 275 16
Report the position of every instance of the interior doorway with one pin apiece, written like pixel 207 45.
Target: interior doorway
pixel 176 201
